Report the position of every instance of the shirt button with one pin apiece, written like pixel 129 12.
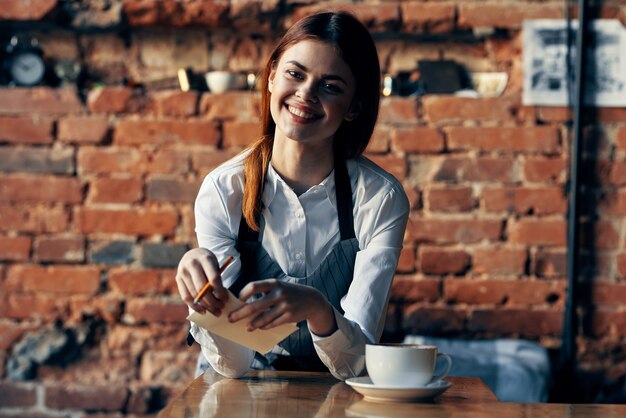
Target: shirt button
pixel 299 214
pixel 298 256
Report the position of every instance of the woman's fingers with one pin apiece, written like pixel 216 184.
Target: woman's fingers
pixel 186 295
pixel 260 286
pixel 196 268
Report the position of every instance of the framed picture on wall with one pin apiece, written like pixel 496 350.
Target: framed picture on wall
pixel 549 81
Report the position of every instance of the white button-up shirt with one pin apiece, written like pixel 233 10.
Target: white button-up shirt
pixel 298 232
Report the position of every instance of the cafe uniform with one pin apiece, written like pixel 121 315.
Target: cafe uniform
pixel 348 249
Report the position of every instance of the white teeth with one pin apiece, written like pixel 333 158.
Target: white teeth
pixel 300 113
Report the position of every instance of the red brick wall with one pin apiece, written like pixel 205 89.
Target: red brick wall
pixel 96 195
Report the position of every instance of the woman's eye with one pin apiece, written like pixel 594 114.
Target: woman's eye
pixel 294 74
pixel 332 87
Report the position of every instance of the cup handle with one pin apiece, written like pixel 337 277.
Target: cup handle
pixel 445 372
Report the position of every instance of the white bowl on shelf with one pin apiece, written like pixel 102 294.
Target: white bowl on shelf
pixel 222 81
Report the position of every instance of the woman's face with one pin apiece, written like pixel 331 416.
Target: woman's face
pixel 312 89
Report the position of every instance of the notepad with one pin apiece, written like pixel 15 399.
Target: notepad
pixel 259 340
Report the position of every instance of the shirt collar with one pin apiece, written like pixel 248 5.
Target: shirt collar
pixel 273 181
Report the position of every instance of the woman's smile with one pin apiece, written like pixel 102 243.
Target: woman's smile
pixel 303 115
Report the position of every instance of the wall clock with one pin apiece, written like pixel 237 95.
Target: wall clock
pixel 24 62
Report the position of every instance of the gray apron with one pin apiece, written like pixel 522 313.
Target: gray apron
pixel 332 278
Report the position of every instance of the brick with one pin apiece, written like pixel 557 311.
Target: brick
pixel 17 395
pixel 449 109
pixel 620 262
pixel 525 201
pixel 171 190
pixel 29 218
pixel 605 323
pixel 175 103
pixel 151 310
pixel 599 235
pixel 617 175
pixel 26 130
pixel 39 100
pixel 611 203
pixel 502 292
pixel 26 10
pixel 505 16
pixel 376 16
pixel 537 232
pixel 545 169
pixel 46 307
pixel 167 366
pixel 40 189
pixel 492 261
pixel 396 166
pixel 451 231
pixel 37 160
pixel 171 161
pixel 550 263
pixel 10 332
pixel 442 261
pixel 111 160
pixel 158 255
pixel 419 319
pixel 408 288
pixel 137 339
pixel 83 129
pixel 87 397
pixel 413 194
pixel 485 169
pixel 450 199
pixel 608 294
pixel 240 134
pixel 610 114
pixel 379 142
pixel 109 99
pixel 543 139
pixel 15 248
pixel 241 106
pixel 620 139
pixel 148 131
pixel 60 249
pixel 428 17
pixel 29 414
pixel 554 114
pixel 107 308
pixel 132 222
pixel 522 322
pixel 174 13
pixel 406 262
pixel 113 369
pixel 135 282
pixel 205 161
pixel 417 139
pixel 54 279
pixel 398 110
pixel 115 190
pixel 112 252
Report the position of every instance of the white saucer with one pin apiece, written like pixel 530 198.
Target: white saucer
pixel 372 392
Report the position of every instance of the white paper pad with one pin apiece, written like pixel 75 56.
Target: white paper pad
pixel 259 340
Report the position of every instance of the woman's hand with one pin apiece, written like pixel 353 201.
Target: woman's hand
pixel 198 266
pixel 283 302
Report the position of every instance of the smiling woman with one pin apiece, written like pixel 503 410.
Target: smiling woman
pixel 315 228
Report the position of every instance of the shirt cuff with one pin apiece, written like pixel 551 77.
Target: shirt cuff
pixel 341 341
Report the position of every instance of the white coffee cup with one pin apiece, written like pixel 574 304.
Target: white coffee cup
pixel 404 365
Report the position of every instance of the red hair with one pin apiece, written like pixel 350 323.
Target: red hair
pixel 357 49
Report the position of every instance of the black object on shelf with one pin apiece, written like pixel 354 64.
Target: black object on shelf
pixel 442 77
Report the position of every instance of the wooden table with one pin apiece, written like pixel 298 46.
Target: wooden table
pixel 295 394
